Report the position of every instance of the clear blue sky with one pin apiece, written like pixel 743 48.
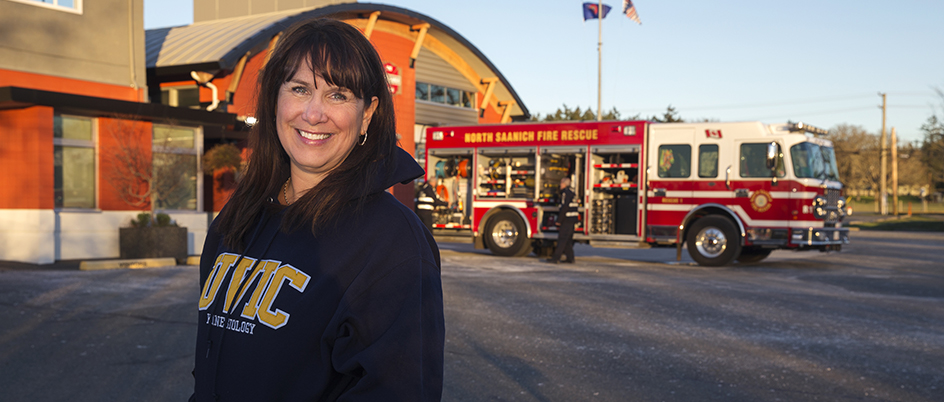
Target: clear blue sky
pixel 822 62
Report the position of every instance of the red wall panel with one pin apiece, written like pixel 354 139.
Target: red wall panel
pixel 10 78
pixel 26 158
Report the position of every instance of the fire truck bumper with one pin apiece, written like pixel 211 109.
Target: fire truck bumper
pixel 815 237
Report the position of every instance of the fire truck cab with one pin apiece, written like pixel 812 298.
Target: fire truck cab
pixel 726 191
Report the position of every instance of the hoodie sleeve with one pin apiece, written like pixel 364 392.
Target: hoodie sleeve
pixel 390 338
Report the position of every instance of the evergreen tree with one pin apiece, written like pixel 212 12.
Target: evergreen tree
pixel 565 113
pixel 670 116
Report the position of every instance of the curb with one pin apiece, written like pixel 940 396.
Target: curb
pixel 129 264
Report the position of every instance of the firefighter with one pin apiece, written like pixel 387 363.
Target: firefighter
pixel 566 219
pixel 427 201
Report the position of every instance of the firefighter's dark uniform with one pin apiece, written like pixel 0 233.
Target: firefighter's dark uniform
pixel 426 202
pixel 567 217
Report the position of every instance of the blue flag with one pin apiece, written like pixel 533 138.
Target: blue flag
pixel 591 11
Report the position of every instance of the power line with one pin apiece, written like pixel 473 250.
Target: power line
pixel 821 112
pixel 684 109
pixel 910 106
pixel 930 93
pixel 783 103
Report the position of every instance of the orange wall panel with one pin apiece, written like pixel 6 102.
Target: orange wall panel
pixel 492 115
pixel 10 78
pixel 395 49
pixel 26 158
pixel 244 100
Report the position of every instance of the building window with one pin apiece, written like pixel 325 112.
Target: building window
pixel 73 162
pixel 185 96
pixel 437 94
pixel 422 91
pixel 708 161
pixel 74 6
pixel 445 95
pixel 675 161
pixel 176 167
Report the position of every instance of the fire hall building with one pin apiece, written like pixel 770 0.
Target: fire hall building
pixel 76 101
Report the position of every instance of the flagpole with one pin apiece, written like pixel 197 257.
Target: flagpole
pixel 600 62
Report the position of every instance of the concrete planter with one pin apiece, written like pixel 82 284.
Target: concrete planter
pixel 153 242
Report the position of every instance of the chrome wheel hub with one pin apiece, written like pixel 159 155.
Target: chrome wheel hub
pixel 504 234
pixel 711 242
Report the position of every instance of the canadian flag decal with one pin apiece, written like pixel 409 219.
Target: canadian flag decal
pixel 713 134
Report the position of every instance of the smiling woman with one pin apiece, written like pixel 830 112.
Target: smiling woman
pixel 332 286
pixel 318 124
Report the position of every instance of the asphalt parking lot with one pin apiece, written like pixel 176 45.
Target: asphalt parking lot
pixel 866 324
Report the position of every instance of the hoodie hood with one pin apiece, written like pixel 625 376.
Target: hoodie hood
pixel 401 169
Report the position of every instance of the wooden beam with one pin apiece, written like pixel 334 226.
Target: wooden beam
pixel 419 41
pixel 438 48
pixel 506 114
pixel 489 88
pixel 430 43
pixel 272 42
pixel 370 23
pixel 237 75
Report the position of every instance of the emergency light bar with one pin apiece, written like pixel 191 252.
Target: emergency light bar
pixel 800 126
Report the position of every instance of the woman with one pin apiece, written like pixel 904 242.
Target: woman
pixel 316 283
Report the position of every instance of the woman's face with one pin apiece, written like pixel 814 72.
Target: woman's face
pixel 318 124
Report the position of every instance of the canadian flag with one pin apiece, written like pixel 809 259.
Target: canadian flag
pixel 713 134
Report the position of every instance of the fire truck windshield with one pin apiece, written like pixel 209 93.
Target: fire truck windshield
pixel 814 161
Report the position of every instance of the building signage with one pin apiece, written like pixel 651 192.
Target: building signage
pixel 394 80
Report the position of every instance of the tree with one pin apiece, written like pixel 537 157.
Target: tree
pixel 857 156
pixel 912 172
pixel 670 116
pixel 568 114
pixel 932 148
pixel 141 177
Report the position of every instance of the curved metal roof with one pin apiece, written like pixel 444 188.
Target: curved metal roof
pixel 219 44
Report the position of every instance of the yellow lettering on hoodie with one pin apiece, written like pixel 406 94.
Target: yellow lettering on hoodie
pixel 264 271
pixel 212 286
pixel 234 283
pixel 296 279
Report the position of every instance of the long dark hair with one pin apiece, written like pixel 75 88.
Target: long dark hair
pixel 341 55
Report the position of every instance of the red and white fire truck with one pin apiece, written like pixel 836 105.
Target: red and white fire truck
pixel 727 191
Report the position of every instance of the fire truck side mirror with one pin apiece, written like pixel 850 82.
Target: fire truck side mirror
pixel 773 152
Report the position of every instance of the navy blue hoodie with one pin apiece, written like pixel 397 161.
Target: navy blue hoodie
pixel 352 314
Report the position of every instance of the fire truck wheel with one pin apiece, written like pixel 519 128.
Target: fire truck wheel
pixel 713 241
pixel 753 254
pixel 505 235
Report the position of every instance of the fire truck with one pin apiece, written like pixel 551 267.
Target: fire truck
pixel 726 191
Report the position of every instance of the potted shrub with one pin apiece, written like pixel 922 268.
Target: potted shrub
pixel 153 238
pixel 223 163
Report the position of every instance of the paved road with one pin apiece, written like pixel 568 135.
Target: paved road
pixel 866 324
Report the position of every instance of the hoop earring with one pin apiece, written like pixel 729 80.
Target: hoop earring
pixel 364 138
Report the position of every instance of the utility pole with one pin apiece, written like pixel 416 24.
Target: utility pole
pixel 883 200
pixel 894 146
pixel 600 61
